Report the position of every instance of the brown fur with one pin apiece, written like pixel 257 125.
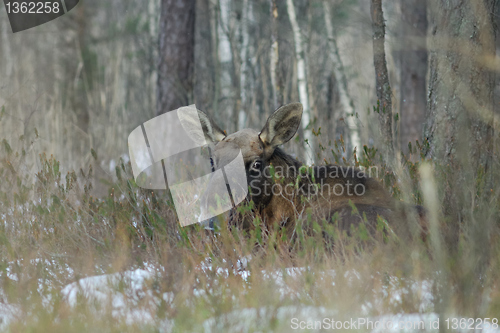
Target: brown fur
pixel 323 200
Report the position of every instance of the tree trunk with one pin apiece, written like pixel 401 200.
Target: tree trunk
pixel 229 88
pixel 5 48
pixel 214 28
pixel 459 110
pixel 302 84
pixel 80 68
pixel 413 71
pixel 234 35
pixel 338 70
pixel 496 94
pixel 274 56
pixel 204 60
pixel 459 130
pixel 244 77
pixel 176 53
pixel 382 78
pixel 89 69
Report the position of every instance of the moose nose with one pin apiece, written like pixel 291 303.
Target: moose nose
pixel 212 224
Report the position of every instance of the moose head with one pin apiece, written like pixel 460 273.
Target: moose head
pixel 259 151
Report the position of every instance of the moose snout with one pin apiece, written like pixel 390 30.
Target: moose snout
pixel 210 224
pixel 215 223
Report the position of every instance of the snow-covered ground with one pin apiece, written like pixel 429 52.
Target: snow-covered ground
pixel 131 296
pixel 8 313
pixel 122 292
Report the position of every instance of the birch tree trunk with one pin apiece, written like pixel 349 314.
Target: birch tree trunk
pixel 382 79
pixel 338 69
pixel 226 68
pixel 234 36
pixel 274 57
pixel 307 47
pixel 242 119
pixel 302 84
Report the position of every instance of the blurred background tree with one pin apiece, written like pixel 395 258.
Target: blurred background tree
pixel 176 54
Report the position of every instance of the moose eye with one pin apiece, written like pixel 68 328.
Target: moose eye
pixel 212 164
pixel 256 165
pixel 255 168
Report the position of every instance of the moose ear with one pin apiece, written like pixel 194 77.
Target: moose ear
pixel 281 126
pixel 211 130
pixel 191 121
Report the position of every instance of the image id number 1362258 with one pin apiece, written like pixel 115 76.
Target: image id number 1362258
pixel 32 7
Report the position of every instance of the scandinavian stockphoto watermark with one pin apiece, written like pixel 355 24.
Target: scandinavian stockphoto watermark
pixel 29 14
pixel 301 181
pixel 171 151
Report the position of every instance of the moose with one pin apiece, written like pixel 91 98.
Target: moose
pixel 283 189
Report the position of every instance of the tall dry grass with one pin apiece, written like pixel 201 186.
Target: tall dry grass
pixel 54 232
